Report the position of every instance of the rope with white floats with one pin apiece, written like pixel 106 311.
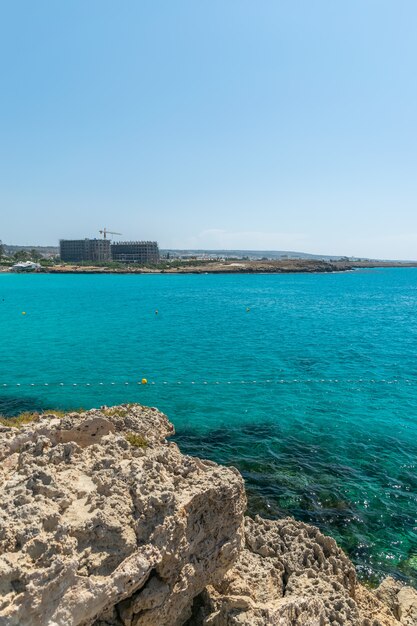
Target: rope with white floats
pixel 281 381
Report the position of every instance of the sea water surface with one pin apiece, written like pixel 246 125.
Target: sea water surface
pixel 307 383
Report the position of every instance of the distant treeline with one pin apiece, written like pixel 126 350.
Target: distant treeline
pixel 40 250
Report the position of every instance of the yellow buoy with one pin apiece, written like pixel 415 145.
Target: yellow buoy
pixel 23 312
pixel 144 381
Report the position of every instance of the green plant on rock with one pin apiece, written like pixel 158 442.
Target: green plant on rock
pixel 33 416
pixel 119 411
pixel 137 441
pixel 116 411
pixel 20 420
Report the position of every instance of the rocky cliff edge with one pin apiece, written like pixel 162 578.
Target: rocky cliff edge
pixel 103 522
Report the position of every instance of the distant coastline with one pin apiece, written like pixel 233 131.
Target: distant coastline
pixel 282 266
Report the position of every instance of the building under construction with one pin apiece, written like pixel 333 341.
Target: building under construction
pixel 135 252
pixel 79 250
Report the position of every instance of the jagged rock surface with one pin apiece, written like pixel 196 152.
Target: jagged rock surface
pixel 103 523
pixel 401 600
pixel 96 530
pixel 290 574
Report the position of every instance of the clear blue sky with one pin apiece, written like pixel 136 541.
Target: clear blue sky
pixel 286 125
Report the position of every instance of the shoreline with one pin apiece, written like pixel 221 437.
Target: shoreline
pixel 290 266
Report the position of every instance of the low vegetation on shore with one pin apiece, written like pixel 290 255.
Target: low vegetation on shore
pixel 212 266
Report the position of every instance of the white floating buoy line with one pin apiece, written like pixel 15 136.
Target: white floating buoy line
pixel 269 381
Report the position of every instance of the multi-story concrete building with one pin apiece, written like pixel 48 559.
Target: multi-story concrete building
pixel 135 252
pixel 76 250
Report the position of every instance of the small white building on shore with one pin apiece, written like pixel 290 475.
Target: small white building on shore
pixel 26 266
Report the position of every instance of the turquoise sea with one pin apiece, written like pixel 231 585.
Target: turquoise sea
pixel 307 383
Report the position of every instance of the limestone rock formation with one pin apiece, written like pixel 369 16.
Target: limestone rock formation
pixel 401 600
pixel 105 523
pixel 102 521
pixel 290 574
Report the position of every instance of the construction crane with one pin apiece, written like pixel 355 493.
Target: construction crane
pixel 105 231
